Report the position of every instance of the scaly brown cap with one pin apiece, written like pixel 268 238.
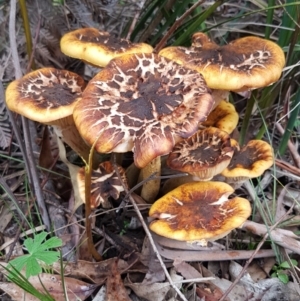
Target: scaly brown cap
pixel 105 183
pixel 198 211
pixel 45 95
pixel 249 162
pixel 142 102
pixel 245 63
pixel 204 155
pixel 98 47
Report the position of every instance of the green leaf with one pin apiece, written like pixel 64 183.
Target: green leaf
pixel 285 265
pixel 274 275
pixel 48 257
pixel 283 278
pixel 53 242
pixel 294 262
pixel 38 250
pixel 33 268
pixel 19 262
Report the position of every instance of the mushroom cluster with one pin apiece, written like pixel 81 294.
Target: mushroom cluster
pixel 171 104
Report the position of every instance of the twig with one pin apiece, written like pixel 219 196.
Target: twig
pixel 290 168
pixel 221 255
pixel 147 230
pixel 176 24
pixel 135 18
pixel 30 164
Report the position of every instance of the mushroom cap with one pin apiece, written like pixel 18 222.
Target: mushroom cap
pixel 250 161
pixel 105 183
pixel 204 155
pixel 245 63
pixel 198 211
pixel 142 103
pixel 98 47
pixel 223 117
pixel 45 95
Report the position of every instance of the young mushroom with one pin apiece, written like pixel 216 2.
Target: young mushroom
pixel 105 183
pixel 204 155
pixel 223 116
pixel 98 47
pixel 48 96
pixel 243 64
pixel 249 162
pixel 198 211
pixel 142 103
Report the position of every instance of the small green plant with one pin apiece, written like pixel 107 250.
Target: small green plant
pixel 58 2
pixel 38 249
pixel 23 282
pixel 280 270
pixel 125 227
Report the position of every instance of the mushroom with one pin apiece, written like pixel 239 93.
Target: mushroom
pixel 198 211
pixel 204 155
pixel 48 95
pixel 223 117
pixel 249 162
pixel 246 63
pixel 98 47
pixel 105 183
pixel 142 103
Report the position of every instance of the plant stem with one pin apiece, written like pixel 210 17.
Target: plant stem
pixel 88 211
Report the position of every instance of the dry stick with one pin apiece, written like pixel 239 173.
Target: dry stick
pixel 291 146
pixel 135 18
pixel 136 208
pixel 288 167
pixel 186 255
pixel 163 41
pixel 254 253
pixel 28 155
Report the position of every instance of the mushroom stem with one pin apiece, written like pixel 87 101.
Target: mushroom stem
pixel 151 188
pixel 173 183
pixel 66 130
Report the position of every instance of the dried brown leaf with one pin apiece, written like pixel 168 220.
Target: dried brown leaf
pixel 155 272
pixel 154 291
pixel 53 283
pixel 115 289
pixel 94 271
pixel 186 270
pixel 16 293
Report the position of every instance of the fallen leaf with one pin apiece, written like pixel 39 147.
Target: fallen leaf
pixel 259 270
pixel 15 292
pixel 94 271
pixel 186 270
pixel 155 272
pixel 154 291
pixel 208 294
pixel 115 289
pixel 53 284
